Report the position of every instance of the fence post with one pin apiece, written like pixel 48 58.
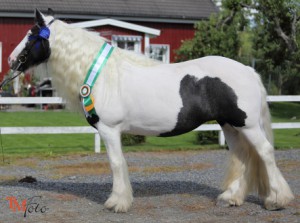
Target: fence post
pixel 97 143
pixel 221 138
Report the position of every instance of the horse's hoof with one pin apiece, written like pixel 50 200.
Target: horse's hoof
pixel 227 200
pixel 273 206
pixel 278 200
pixel 222 203
pixel 119 203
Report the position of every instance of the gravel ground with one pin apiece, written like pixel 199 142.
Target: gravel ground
pixel 168 187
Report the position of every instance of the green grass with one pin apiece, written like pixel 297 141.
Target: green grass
pixel 41 118
pixel 182 142
pixel 286 112
pixel 51 145
pixel 45 144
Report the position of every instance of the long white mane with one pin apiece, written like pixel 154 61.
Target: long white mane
pixel 72 52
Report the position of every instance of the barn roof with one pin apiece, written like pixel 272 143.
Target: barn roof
pixel 184 10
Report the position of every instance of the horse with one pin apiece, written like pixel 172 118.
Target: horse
pixel 137 95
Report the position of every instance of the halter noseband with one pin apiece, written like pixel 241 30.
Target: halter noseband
pixel 44 33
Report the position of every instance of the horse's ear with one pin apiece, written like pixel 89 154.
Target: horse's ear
pixel 39 18
pixel 50 12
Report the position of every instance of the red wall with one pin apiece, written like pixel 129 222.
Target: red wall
pixel 108 31
pixel 171 33
pixel 12 30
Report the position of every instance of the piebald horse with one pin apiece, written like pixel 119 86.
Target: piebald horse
pixel 137 95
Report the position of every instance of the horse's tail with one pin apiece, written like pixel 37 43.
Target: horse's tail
pixel 257 171
pixel 265 117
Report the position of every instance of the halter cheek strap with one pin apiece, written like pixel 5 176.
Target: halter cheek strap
pixel 89 81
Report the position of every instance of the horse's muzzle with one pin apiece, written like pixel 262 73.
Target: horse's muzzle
pixel 15 65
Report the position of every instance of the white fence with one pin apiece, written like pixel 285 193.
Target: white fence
pixel 87 129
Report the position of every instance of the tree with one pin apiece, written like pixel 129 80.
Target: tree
pixel 275 39
pixel 276 43
pixel 219 35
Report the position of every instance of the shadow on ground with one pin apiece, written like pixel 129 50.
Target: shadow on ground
pixel 98 192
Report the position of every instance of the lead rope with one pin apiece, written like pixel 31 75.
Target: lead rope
pixel 9 79
pixel 2 148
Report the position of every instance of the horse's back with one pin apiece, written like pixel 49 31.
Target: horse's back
pixel 185 95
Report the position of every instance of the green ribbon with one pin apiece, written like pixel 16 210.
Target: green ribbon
pixel 91 77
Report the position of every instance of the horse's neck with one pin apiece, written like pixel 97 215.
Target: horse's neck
pixel 72 52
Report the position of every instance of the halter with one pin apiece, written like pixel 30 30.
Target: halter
pixel 89 81
pixel 44 33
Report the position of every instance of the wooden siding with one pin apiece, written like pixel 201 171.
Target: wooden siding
pixel 173 34
pixel 12 30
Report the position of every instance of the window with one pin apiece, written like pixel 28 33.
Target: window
pixel 127 45
pixel 0 57
pixel 160 52
pixel 127 42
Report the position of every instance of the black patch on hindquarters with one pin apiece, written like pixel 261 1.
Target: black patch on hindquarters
pixel 204 100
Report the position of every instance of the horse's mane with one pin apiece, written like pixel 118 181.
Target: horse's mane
pixel 72 52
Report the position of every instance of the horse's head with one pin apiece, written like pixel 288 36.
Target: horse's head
pixel 34 49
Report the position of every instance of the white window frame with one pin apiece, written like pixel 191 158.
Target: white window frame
pixel 165 47
pixel 0 57
pixel 125 38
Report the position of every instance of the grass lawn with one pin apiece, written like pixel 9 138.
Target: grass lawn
pixel 286 112
pixel 49 145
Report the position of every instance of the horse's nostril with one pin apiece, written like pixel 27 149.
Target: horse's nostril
pixel 9 60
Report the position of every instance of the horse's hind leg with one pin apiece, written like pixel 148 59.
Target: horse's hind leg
pixel 235 183
pixel 121 197
pixel 270 183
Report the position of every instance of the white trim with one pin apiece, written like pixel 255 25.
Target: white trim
pixel 117 23
pixel 147 45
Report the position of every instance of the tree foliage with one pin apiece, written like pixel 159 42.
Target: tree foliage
pixel 219 35
pixel 275 39
pixel 276 44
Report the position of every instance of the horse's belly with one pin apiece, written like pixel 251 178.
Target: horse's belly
pixel 152 104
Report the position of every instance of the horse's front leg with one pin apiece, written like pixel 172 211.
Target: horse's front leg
pixel 121 197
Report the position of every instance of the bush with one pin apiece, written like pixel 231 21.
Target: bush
pixel 130 140
pixel 208 137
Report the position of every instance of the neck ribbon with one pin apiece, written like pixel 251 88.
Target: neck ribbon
pixel 89 81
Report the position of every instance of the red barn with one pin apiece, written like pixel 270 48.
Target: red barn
pixel 155 28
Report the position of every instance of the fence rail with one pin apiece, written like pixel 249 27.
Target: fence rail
pixel 90 130
pixel 58 100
